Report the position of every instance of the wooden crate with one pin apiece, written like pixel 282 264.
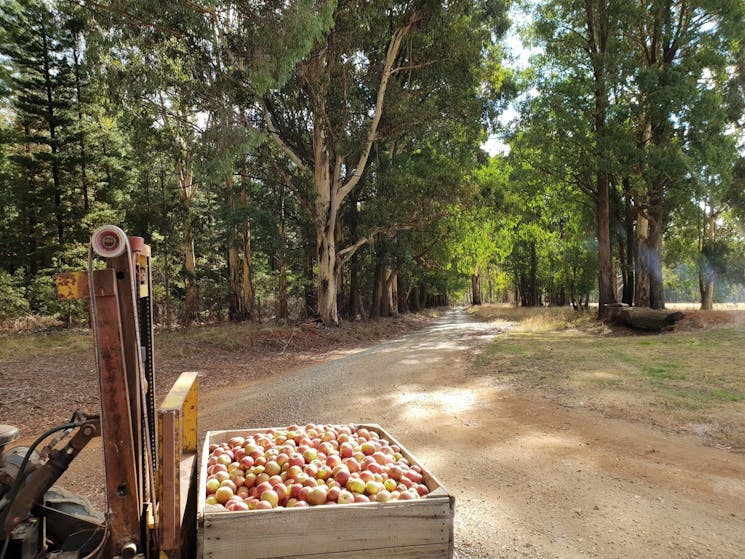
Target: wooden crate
pixel 416 529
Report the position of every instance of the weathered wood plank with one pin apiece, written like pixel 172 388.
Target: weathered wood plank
pixel 329 529
pixel 120 457
pixel 436 551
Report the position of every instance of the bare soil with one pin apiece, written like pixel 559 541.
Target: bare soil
pixel 531 477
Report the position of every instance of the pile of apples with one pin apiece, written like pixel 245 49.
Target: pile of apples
pixel 308 466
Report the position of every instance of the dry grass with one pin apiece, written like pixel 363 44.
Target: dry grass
pixel 534 319
pixel 30 323
pixel 690 380
pixel 34 337
pixel 45 343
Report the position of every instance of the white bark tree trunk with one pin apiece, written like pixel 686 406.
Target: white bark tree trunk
pixel 186 188
pixel 331 190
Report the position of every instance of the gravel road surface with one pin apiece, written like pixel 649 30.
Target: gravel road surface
pixel 531 479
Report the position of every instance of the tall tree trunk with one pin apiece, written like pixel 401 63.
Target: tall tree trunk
pixel 377 305
pixel 476 288
pixel 706 288
pixel 326 212
pixel 354 302
pixel 166 259
pixel 329 189
pixel 415 298
pixel 643 257
pixel 235 301
pixel 282 310
pixel 247 291
pixel 53 143
pixel 236 311
pixel 403 295
pixel 656 286
pixel 598 32
pixel 648 286
pixel 79 103
pixel 706 271
pixel 628 256
pixel 606 276
pixel 391 289
pixel 185 178
pixel 533 294
pixel 327 274
pixel 355 296
pixel 191 302
pixel 31 260
pixel 341 285
pixel 309 279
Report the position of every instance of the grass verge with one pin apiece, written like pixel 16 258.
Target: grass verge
pixel 691 380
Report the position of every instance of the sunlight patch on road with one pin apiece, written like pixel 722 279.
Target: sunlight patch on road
pixel 426 346
pixel 443 345
pixel 417 405
pixel 419 361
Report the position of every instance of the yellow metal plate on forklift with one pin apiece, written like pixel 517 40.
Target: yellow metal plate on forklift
pixel 184 397
pixel 72 285
pixel 143 276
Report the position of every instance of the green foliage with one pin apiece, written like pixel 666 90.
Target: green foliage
pixel 615 99
pixel 13 302
pixel 104 112
pixel 62 169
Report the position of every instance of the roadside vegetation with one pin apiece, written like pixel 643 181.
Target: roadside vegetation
pixel 48 371
pixel 33 338
pixel 688 380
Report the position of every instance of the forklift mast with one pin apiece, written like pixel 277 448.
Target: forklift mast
pixel 150 495
pixel 121 312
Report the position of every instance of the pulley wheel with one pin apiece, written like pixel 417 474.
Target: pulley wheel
pixel 109 241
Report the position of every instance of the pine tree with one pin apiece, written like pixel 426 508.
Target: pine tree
pixel 37 48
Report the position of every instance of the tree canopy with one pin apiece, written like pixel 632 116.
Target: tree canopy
pixel 326 157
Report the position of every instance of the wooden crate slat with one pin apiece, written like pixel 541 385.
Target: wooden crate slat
pixel 330 528
pixel 432 551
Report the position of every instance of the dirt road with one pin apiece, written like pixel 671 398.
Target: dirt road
pixel 531 479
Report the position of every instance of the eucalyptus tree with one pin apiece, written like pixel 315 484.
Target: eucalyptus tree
pixel 706 218
pixel 190 69
pixel 552 227
pixel 676 44
pixel 480 228
pixel 579 71
pixel 328 118
pixel 634 75
pixel 415 178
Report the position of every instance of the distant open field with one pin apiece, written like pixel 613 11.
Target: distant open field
pixel 717 306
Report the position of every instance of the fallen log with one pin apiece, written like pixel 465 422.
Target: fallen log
pixel 652 320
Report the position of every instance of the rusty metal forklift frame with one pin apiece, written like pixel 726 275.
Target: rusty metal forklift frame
pixel 150 480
